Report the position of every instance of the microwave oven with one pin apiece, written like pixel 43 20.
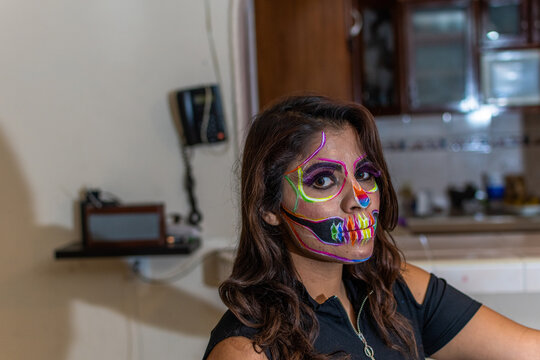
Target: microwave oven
pixel 511 77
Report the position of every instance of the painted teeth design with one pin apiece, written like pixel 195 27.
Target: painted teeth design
pixel 336 230
pixel 359 227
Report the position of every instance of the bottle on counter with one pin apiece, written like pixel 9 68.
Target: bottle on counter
pixel 422 203
pixel 406 201
pixel 494 184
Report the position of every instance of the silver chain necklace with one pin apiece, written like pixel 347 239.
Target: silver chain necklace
pixel 368 350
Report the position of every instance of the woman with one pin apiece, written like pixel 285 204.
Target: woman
pixel 317 276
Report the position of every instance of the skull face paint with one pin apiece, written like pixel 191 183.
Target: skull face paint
pixel 337 230
pixel 331 200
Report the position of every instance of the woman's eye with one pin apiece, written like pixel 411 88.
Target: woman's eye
pixel 320 181
pixel 363 176
pixel 323 182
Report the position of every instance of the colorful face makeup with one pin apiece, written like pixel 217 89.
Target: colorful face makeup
pixel 357 228
pixel 317 184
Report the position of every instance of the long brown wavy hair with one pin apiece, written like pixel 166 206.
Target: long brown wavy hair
pixel 264 291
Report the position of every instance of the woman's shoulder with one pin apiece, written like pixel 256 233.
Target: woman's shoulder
pixel 417 280
pixel 437 310
pixel 237 347
pixel 230 339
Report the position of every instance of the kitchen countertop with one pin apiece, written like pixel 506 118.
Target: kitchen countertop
pixel 496 245
pixel 478 263
pixel 473 224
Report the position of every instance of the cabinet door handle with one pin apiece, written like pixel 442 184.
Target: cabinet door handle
pixel 358 22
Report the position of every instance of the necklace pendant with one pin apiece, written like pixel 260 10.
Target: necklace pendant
pixel 370 353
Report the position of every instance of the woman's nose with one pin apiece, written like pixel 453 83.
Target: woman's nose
pixel 355 197
pixel 360 195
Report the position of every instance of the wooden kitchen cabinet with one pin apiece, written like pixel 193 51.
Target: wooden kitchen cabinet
pixel 504 23
pixel 304 46
pixel 346 49
pixel 393 56
pixel 378 55
pixel 440 62
pixel 534 24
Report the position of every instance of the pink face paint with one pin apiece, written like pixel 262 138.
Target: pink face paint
pixel 361 157
pixel 323 141
pixel 332 170
pixel 303 184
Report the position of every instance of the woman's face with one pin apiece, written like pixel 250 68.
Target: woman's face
pixel 331 199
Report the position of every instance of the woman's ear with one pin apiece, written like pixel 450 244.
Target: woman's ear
pixel 271 218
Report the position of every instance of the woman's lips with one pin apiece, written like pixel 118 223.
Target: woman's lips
pixel 338 230
pixel 359 222
pixel 360 236
pixel 360 228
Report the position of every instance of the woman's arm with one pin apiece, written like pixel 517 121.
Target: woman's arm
pixel 488 335
pixel 235 348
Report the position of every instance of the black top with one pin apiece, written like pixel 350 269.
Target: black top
pixel 444 312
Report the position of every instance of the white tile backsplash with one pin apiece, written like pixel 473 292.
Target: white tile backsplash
pixel 416 169
pixel 467 167
pixel 493 146
pixel 419 126
pixel 507 122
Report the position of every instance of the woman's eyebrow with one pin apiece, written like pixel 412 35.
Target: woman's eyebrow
pixel 362 162
pixel 323 165
pixel 367 165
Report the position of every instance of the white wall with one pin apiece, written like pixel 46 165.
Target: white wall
pixel 83 103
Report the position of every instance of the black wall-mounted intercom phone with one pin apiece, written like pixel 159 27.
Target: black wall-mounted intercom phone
pixel 200 114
